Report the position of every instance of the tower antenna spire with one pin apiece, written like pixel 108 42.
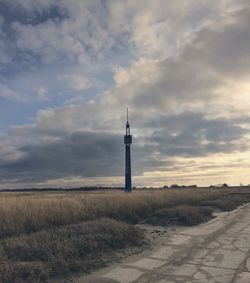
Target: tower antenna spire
pixel 127 114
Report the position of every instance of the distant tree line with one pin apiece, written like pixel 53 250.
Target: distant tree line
pixel 103 188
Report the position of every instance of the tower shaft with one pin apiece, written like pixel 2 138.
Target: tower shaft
pixel 128 181
pixel 128 142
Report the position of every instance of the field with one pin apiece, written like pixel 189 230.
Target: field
pixel 46 235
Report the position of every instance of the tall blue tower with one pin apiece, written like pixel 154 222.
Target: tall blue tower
pixel 128 142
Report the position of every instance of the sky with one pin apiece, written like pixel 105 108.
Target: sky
pixel 69 70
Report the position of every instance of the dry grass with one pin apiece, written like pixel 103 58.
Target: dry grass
pixel 43 234
pixel 59 252
pixel 25 213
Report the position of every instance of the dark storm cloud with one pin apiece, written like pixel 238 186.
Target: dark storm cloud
pixel 80 154
pixel 192 134
pixel 89 154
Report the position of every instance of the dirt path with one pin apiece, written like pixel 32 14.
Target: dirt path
pixel 216 252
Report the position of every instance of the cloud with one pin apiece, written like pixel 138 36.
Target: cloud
pixel 192 134
pixel 4 57
pixel 80 154
pixel 42 93
pixel 77 82
pixel 222 45
pixel 48 41
pixel 77 35
pixel 64 152
pixel 30 5
pixel 208 69
pixel 83 31
pixel 160 28
pixel 161 83
pixel 185 66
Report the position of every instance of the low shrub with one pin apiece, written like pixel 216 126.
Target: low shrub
pixel 222 204
pixel 181 215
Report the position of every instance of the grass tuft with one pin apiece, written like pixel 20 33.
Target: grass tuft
pixel 228 202
pixel 222 204
pixel 181 215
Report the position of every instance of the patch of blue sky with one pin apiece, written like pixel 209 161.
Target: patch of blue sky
pixel 17 113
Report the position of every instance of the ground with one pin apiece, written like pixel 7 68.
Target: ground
pixel 216 252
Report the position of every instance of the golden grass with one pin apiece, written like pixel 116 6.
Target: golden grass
pixel 29 212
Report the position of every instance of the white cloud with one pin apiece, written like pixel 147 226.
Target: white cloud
pixel 154 29
pixel 158 28
pixel 78 36
pixel 49 40
pixel 77 82
pixel 207 71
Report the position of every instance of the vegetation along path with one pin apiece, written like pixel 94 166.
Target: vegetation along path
pixel 216 252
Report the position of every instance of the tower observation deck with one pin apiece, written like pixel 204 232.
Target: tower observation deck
pixel 128 142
